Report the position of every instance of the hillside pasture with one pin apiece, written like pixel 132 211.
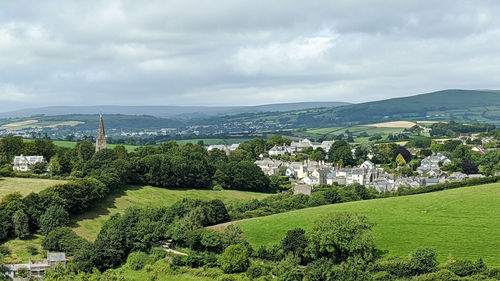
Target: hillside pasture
pixel 393 124
pixel 89 224
pixel 461 222
pixel 227 141
pixel 72 144
pixel 25 185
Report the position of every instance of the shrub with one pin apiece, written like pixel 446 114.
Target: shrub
pixel 463 267
pixel 4 250
pixel 341 236
pixel 295 242
pixel 423 260
pixel 442 275
pixel 397 266
pixel 234 259
pixel 32 250
pixel 63 239
pixel 383 276
pixel 137 260
pixel 254 271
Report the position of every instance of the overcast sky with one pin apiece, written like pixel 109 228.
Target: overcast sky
pixel 235 52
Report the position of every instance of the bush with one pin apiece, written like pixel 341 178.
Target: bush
pixel 32 250
pixel 6 171
pixel 397 266
pixel 234 259
pixel 463 267
pixel 255 271
pixel 137 260
pixel 423 261
pixel 4 250
pixel 383 276
pixel 53 218
pixel 442 275
pixel 63 239
pixel 341 236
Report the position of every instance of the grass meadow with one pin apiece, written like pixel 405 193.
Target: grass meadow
pixel 25 185
pixel 463 223
pixel 89 223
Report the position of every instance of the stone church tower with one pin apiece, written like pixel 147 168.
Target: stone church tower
pixel 101 136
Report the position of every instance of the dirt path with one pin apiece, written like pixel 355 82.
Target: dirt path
pixel 222 226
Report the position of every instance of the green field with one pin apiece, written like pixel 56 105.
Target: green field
pixel 24 185
pixel 462 222
pixel 214 141
pixel 71 144
pixel 89 223
pixel 356 130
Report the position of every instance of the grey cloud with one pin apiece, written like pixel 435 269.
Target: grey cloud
pixel 241 52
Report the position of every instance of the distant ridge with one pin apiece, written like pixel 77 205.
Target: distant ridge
pixel 453 104
pixel 165 111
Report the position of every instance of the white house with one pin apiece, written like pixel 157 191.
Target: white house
pixel 24 163
pixel 277 150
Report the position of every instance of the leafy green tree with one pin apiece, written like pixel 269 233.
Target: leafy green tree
pixel 295 242
pixel 340 152
pixel 39 168
pixel 234 259
pixel 55 166
pixel 278 140
pixel 85 150
pixel 341 236
pixel 54 217
pixel 20 223
pixel 10 146
pixel 423 260
pixel 287 269
pixel 63 239
pixel 469 167
pixel 385 152
pixel 137 260
pixel 318 154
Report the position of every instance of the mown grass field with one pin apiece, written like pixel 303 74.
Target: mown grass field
pixel 462 222
pixel 71 144
pixel 356 130
pixel 25 185
pixel 89 224
pixel 214 141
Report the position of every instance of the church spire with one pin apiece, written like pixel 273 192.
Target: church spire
pixel 101 136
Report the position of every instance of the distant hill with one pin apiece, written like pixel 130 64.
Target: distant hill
pixel 164 111
pixel 459 105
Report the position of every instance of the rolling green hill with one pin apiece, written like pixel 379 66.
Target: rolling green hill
pixel 458 105
pixel 462 222
pixel 88 224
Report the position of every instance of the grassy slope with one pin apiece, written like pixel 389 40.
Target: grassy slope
pixel 461 222
pixel 24 186
pixel 71 144
pixel 89 223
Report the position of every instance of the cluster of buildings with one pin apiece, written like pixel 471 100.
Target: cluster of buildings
pixel 305 175
pixel 297 146
pixel 35 268
pixel 222 147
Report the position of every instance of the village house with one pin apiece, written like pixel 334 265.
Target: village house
pixel 35 268
pixel 432 164
pixel 25 163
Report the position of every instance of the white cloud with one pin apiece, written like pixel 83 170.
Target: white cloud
pixel 292 57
